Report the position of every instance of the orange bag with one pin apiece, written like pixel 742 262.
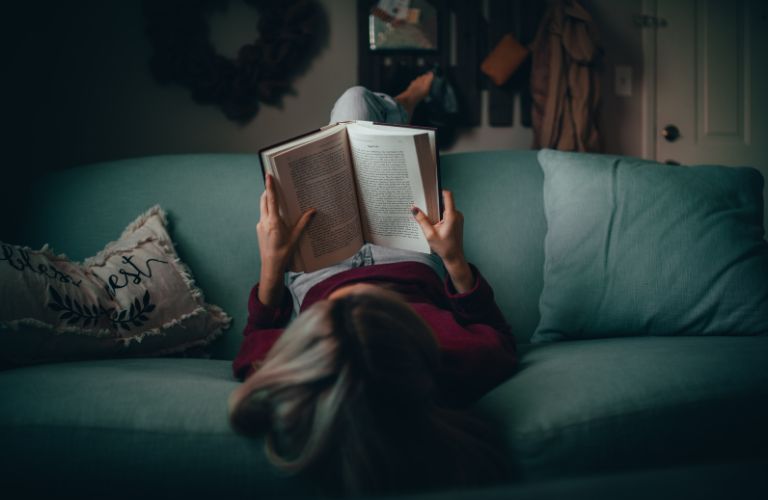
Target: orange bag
pixel 504 59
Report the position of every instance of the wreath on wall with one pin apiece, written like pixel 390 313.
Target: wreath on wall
pixel 291 34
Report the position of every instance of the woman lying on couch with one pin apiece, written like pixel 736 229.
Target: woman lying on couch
pixel 364 390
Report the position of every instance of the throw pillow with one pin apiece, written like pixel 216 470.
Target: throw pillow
pixel 634 247
pixel 135 298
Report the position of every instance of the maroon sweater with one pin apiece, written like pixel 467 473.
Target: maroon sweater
pixel 477 347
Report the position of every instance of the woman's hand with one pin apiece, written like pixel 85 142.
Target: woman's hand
pixel 277 244
pixel 446 239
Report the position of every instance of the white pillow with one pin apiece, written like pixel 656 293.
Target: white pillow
pixel 134 298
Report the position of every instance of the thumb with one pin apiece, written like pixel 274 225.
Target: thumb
pixel 421 218
pixel 302 224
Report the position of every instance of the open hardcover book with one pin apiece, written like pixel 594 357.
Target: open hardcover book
pixel 363 178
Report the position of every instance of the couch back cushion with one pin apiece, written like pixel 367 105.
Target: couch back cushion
pixel 212 207
pixel 635 247
pixel 500 194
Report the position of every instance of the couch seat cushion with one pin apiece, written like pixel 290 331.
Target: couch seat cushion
pixel 591 406
pixel 129 426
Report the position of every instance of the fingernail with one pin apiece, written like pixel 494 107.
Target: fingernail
pixel 414 211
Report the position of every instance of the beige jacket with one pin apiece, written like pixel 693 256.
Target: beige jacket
pixel 565 83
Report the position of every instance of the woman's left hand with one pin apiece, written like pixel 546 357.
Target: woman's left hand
pixel 277 243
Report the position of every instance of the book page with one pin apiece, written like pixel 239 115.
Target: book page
pixel 388 181
pixel 379 129
pixel 302 140
pixel 426 148
pixel 318 175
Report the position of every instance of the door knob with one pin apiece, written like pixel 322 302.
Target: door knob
pixel 670 133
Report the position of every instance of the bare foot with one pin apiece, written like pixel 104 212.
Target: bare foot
pixel 417 90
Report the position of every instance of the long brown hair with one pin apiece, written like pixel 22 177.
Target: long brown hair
pixel 347 395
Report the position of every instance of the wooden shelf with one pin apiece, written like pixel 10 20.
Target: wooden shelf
pixel 464 39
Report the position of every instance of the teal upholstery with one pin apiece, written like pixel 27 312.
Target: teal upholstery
pixel 578 407
pixel 212 206
pixel 743 480
pixel 635 247
pixel 158 428
pixel 504 226
pixel 140 423
pixel 574 408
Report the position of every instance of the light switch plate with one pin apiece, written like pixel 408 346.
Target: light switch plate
pixel 623 82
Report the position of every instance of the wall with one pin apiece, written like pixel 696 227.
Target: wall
pixel 621 118
pixel 80 90
pixel 93 99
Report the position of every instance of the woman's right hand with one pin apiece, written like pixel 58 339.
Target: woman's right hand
pixel 446 239
pixel 277 243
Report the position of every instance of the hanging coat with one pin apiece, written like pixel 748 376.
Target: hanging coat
pixel 565 85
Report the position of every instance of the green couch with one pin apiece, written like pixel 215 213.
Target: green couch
pixel 590 417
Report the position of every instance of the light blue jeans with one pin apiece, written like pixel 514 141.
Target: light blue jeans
pixel 300 283
pixel 359 103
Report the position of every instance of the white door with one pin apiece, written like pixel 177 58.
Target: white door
pixel 712 83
